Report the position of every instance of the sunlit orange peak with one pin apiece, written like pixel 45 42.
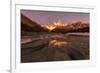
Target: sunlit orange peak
pixel 50 27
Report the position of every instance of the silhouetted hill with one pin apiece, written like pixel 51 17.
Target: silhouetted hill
pixel 30 25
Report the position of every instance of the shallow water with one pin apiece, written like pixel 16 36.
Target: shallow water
pixel 55 47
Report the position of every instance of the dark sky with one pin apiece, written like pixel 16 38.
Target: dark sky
pixel 44 17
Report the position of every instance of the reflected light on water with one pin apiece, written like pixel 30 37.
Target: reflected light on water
pixel 57 43
pixel 26 39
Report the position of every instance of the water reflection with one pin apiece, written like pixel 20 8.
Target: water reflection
pixel 26 39
pixel 57 43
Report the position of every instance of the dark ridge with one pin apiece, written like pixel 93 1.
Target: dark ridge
pixel 85 29
pixel 30 25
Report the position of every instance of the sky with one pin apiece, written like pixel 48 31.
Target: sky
pixel 46 17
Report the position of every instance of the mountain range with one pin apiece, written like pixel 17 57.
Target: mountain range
pixel 58 26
